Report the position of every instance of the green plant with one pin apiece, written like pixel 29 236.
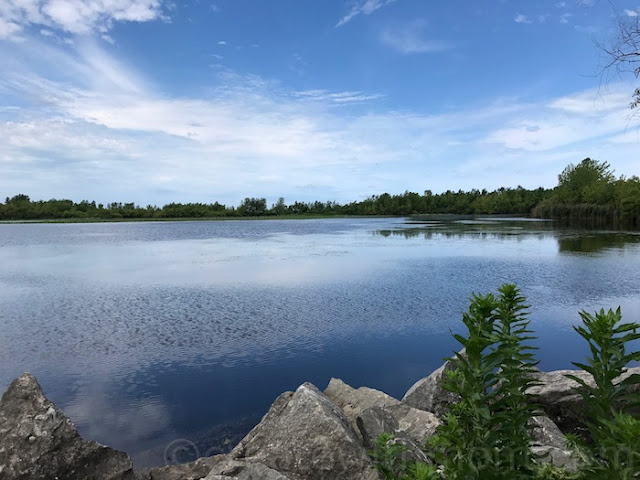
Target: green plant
pixel 615 434
pixel 387 455
pixel 486 434
pixel 549 472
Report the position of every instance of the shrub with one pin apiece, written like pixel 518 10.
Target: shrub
pixel 487 434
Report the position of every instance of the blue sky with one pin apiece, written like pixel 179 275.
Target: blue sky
pixel 155 101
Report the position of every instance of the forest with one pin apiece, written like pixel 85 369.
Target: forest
pixel 587 194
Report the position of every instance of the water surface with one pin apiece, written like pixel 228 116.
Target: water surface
pixel 171 339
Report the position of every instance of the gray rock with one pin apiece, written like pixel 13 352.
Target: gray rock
pixel 353 401
pixel 219 467
pixel 546 432
pixel 186 471
pixel 558 457
pixel 37 441
pixel 375 420
pixel 559 401
pixel 240 470
pixel 418 424
pixel 429 395
pixel 549 444
pixel 305 436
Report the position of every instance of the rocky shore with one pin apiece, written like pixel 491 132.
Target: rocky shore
pixel 305 435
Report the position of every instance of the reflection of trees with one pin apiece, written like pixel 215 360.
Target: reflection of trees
pixel 501 229
pixel 591 243
pixel 472 228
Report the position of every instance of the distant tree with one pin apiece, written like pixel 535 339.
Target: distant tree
pixel 253 206
pixel 298 207
pixel 18 199
pixel 590 181
pixel 279 208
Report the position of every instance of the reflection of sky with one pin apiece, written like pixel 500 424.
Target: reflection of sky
pixel 144 333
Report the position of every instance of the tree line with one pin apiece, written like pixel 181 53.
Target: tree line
pixel 504 200
pixel 589 194
pixel 585 193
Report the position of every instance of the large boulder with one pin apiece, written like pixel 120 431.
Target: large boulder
pixel 428 393
pixel 304 436
pixel 417 424
pixel 37 441
pixel 557 397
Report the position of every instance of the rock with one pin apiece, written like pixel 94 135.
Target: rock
pixel 546 432
pixel 549 444
pixel 352 401
pixel 219 467
pixel 429 395
pixel 304 436
pixel 559 401
pixel 37 441
pixel 375 420
pixel 558 457
pixel 229 468
pixel 418 424
pixel 186 471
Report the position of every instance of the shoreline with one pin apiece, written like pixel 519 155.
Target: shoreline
pixel 306 435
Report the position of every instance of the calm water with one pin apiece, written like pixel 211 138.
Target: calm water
pixel 171 339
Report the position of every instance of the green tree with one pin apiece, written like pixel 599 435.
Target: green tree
pixel 590 181
pixel 279 208
pixel 253 206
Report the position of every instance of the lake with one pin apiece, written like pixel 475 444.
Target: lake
pixel 170 340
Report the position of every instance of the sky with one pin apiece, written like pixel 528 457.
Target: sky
pixel 159 101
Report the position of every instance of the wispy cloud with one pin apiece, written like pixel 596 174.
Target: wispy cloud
pixel 337 97
pixel 410 39
pixel 74 16
pixel 250 136
pixel 363 7
pixel 520 18
pixel 631 13
pixel 564 18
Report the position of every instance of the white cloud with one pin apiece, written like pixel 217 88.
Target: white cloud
pixel 8 28
pixel 631 13
pixel 74 16
pixel 522 19
pixel 77 134
pixel 337 97
pixel 363 7
pixel 566 121
pixel 409 39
